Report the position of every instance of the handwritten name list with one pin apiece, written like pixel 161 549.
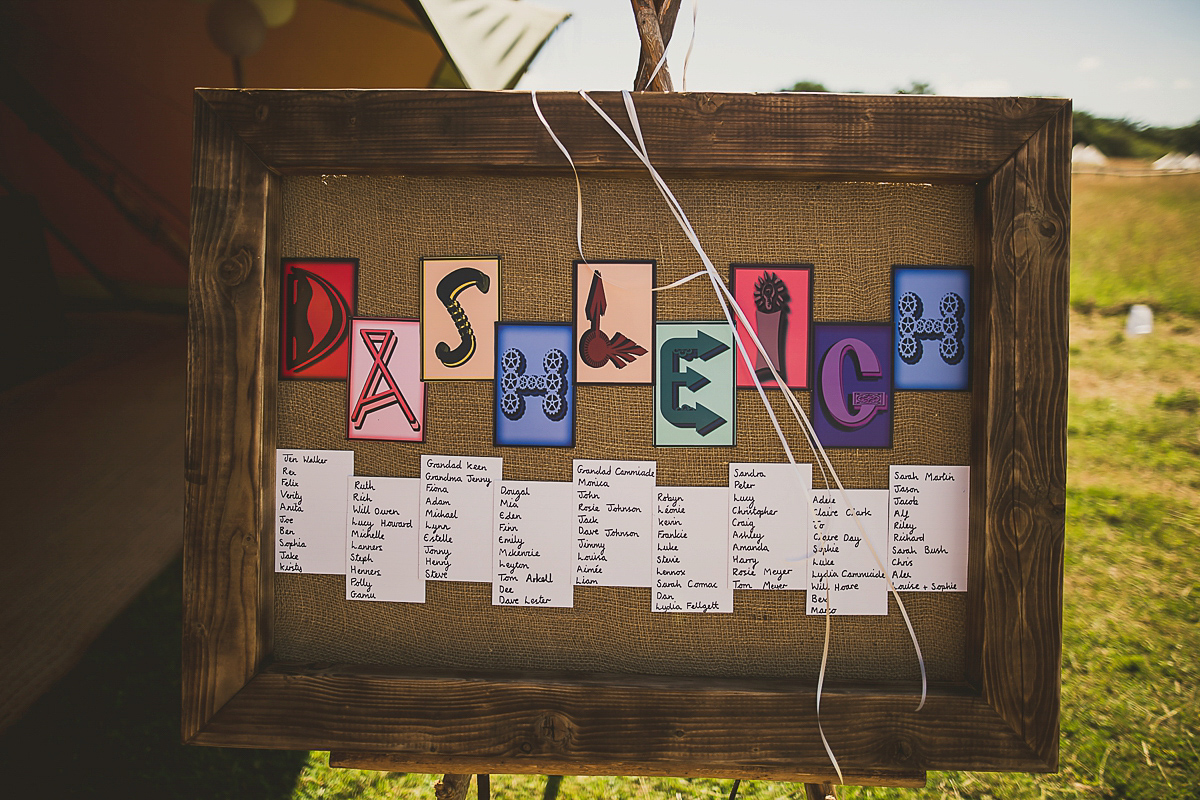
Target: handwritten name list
pixel 614 504
pixel 457 499
pixel 533 555
pixel 691 550
pixel 842 566
pixel 768 522
pixel 310 510
pixel 929 517
pixel 383 556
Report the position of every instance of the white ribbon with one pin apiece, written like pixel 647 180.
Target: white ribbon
pixel 691 43
pixel 687 58
pixel 579 203
pixel 657 67
pixel 578 189
pixel 728 302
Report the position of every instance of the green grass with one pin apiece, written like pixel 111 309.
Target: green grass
pixel 1136 240
pixel 319 781
pixel 1181 400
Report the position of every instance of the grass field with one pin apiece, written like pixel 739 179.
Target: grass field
pixel 1136 241
pixel 1130 697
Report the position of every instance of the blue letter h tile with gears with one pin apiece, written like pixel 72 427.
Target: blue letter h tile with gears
pixel 931 308
pixel 535 384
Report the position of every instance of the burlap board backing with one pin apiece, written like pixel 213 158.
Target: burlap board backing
pixel 851 233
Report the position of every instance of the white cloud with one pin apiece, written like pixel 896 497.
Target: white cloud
pixel 1181 83
pixel 1142 84
pixel 1088 63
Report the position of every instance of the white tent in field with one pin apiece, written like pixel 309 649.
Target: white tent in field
pixel 1088 154
pixel 1178 162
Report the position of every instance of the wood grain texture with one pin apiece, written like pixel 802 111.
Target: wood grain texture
pixel 451 787
pixel 1021 603
pixel 983 296
pixel 891 137
pixel 655 21
pixel 564 724
pixel 1004 718
pixel 820 791
pixel 229 438
pixel 1041 244
pixel 997 628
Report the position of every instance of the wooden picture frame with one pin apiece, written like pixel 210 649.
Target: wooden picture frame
pixel 1002 716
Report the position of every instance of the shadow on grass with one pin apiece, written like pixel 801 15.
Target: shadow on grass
pixel 111 726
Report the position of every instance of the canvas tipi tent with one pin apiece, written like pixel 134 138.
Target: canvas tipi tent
pixel 1088 155
pixel 96 117
pixel 1178 162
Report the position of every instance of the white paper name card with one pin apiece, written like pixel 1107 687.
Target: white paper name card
pixel 457 500
pixel 768 525
pixel 383 555
pixel 842 566
pixel 929 518
pixel 533 556
pixel 691 550
pixel 614 514
pixel 310 510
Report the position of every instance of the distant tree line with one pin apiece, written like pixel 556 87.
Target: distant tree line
pixel 1120 138
pixel 1125 138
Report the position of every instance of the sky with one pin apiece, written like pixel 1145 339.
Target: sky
pixel 1114 58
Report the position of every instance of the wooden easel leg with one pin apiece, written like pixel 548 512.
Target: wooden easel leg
pixel 552 784
pixel 483 787
pixel 819 791
pixel 655 21
pixel 452 787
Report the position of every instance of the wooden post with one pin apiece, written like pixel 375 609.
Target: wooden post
pixel 819 791
pixel 452 787
pixel 655 23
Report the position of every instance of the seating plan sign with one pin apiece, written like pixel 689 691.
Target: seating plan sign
pixel 686 491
